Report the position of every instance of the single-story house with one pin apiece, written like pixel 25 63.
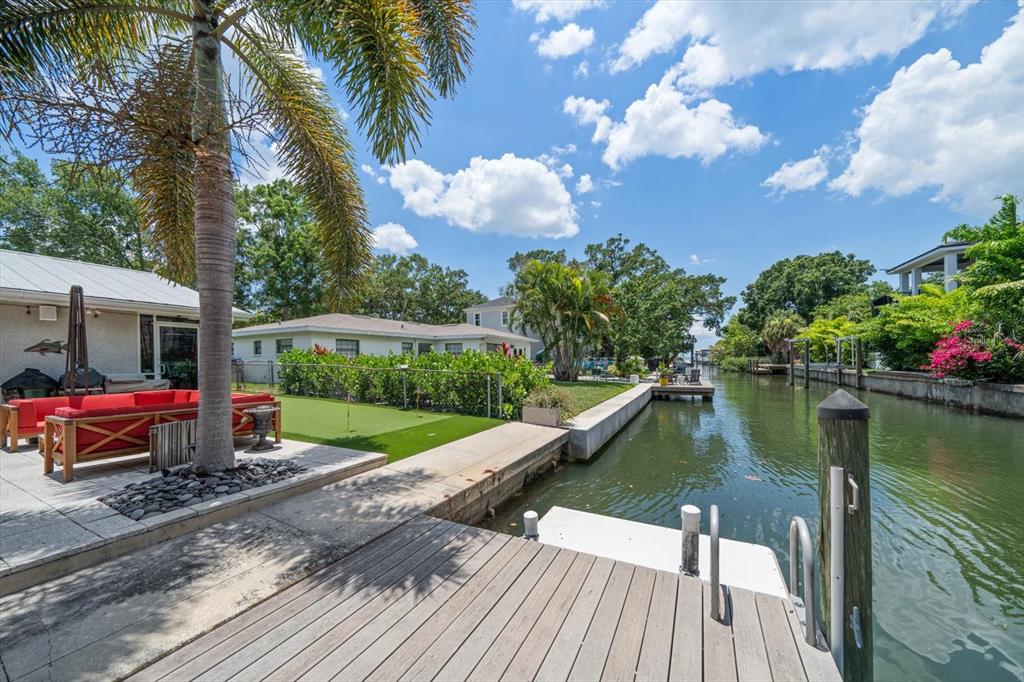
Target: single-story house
pixel 948 258
pixel 497 314
pixel 136 322
pixel 354 335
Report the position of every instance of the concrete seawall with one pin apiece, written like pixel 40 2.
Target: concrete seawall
pixel 591 429
pixel 1006 400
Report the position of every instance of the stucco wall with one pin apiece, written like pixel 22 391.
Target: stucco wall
pixel 492 320
pixel 113 341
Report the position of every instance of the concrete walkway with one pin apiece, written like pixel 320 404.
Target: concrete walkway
pixel 109 620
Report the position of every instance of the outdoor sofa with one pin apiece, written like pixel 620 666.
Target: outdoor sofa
pixel 90 427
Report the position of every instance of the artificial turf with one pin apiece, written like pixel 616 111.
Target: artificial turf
pixel 395 432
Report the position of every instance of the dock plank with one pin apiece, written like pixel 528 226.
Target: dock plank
pixel 687 664
pixel 751 655
pixel 778 640
pixel 656 650
pixel 818 662
pixel 496 657
pixel 719 654
pixel 624 651
pixel 527 661
pixel 594 651
pixel 566 647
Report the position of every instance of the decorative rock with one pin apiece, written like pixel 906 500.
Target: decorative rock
pixel 220 489
pixel 137 514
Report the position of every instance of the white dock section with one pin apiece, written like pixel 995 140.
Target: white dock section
pixel 743 564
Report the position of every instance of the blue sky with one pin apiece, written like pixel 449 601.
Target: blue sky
pixel 725 136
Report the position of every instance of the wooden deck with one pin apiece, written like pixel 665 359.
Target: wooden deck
pixel 438 600
pixel 705 389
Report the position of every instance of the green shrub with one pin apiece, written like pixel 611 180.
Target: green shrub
pixel 634 364
pixel 552 397
pixel 823 334
pixel 378 379
pixel 733 364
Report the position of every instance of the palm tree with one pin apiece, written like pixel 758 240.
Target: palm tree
pixel 567 308
pixel 780 326
pixel 171 101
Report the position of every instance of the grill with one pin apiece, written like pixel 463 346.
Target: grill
pixel 30 380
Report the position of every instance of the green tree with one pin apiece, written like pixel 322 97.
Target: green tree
pixel 780 325
pixel 801 284
pixel 83 213
pixel 568 308
pixel 143 84
pixel 412 288
pixel 737 341
pixel 856 306
pixel 823 333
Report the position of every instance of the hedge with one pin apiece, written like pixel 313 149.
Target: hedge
pixel 461 387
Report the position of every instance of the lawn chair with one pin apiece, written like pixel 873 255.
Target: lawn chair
pixel 694 376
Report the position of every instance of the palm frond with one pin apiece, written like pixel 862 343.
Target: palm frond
pixel 313 148
pixel 445 39
pixel 39 35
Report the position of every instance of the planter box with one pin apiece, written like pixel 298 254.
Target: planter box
pixel 542 416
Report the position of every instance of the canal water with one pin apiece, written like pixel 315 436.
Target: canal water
pixel 948 517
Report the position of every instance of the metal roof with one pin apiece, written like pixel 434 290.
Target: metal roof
pixel 929 256
pixel 500 302
pixel 363 324
pixel 31 278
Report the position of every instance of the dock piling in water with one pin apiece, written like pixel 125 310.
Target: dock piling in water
pixel 691 536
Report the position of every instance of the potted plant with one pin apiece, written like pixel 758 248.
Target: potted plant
pixel 664 374
pixel 632 367
pixel 547 406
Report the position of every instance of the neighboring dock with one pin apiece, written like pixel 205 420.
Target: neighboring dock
pixel 704 389
pixel 439 600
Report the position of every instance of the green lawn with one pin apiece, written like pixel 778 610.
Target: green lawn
pixel 398 433
pixel 586 394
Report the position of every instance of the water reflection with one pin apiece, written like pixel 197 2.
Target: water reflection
pixel 946 488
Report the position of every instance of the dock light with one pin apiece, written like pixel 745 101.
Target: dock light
pixel 530 531
pixel 691 539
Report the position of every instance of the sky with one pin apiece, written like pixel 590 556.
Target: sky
pixel 724 136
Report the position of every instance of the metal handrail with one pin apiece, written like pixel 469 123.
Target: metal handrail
pixel 798 528
pixel 715 606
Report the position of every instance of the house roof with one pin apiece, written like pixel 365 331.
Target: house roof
pixel 28 278
pixel 929 257
pixel 500 302
pixel 363 324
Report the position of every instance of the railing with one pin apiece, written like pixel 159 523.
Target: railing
pixel 798 532
pixel 715 588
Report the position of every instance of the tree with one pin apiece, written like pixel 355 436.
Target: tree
pixel 801 284
pixel 857 306
pixel 568 308
pixel 781 325
pixel 83 213
pixel 120 83
pixel 413 288
pixel 737 341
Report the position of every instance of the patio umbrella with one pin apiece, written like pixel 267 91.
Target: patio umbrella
pixel 76 364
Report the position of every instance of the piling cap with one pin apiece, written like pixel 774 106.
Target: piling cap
pixel 842 405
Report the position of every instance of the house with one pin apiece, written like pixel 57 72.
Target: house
pixel 136 322
pixel 354 335
pixel 947 258
pixel 497 314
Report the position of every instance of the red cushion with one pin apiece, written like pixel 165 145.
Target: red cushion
pixel 33 410
pixel 143 398
pixel 244 398
pixel 186 396
pixel 193 396
pixel 71 412
pixel 105 401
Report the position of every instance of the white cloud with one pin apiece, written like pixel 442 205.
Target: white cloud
pixel 393 238
pixel 662 124
pixel 261 166
pixel 797 176
pixel 564 42
pixel 726 45
pixel 559 10
pixel 697 260
pixel 510 195
pixel 959 129
pixel 566 170
pixel 582 70
pixel 584 184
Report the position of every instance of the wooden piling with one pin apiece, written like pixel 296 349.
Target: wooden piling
pixel 807 364
pixel 860 362
pixel 789 351
pixel 843 442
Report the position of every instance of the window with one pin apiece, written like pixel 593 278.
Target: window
pixel 406 347
pixel 493 348
pixel 146 344
pixel 346 347
pixel 476 319
pixel 453 348
pixel 425 348
pixel 284 345
pixel 504 318
pixel 257 348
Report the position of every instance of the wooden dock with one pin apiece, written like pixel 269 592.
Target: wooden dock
pixel 704 390
pixel 439 600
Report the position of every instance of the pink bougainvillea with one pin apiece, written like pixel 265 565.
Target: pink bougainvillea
pixel 959 356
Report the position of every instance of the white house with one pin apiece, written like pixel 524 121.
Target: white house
pixel 136 322
pixel 354 335
pixel 497 314
pixel 947 258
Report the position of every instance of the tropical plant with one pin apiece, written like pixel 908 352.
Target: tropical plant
pixel 553 397
pixel 738 341
pixel 822 335
pixel 780 325
pixel 568 308
pixel 974 351
pixel 630 365
pixel 142 85
pixel 857 306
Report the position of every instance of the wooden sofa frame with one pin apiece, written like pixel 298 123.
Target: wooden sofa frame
pixel 63 432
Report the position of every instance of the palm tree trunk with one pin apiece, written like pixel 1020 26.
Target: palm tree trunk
pixel 215 248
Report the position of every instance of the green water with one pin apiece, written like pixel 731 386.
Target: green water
pixel 948 516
